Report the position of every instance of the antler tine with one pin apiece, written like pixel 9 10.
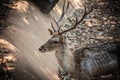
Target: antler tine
pixel 64 11
pixel 85 13
pixel 50 31
pixel 59 26
pixel 77 22
pixel 56 22
pixel 70 28
pixel 53 27
pixel 59 29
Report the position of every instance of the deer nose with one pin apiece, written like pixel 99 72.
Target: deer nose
pixel 41 48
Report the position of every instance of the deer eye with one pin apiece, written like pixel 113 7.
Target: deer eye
pixel 55 42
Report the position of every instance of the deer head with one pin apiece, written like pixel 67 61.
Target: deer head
pixel 57 39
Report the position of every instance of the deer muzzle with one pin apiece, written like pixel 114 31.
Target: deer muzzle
pixel 42 49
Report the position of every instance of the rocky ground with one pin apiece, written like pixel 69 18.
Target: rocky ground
pixel 5 6
pixel 102 25
pixel 6 55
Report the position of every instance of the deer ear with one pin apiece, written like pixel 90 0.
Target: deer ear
pixel 51 32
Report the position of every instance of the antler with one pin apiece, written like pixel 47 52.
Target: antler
pixel 53 28
pixel 64 11
pixel 52 31
pixel 77 22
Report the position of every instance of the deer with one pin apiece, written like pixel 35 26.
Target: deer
pixel 59 43
pixel 85 63
pixel 92 63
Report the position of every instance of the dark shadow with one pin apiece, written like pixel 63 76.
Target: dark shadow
pixel 109 9
pixel 45 5
pixel 114 10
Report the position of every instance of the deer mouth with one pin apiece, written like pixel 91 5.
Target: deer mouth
pixel 43 50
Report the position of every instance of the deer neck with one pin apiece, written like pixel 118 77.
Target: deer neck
pixel 65 57
pixel 63 48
